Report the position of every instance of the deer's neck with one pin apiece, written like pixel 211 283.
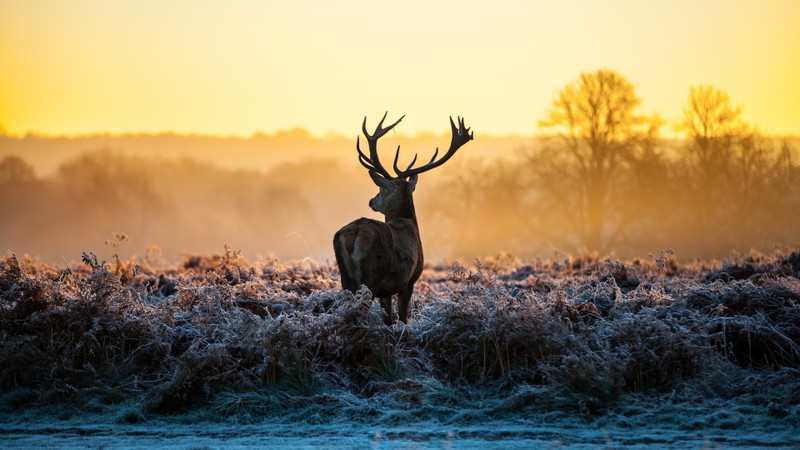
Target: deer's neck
pixel 404 210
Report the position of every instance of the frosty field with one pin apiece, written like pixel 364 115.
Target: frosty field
pixel 220 352
pixel 672 430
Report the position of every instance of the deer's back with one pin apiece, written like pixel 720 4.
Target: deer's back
pixel 384 258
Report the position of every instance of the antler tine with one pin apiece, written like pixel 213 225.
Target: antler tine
pixel 364 125
pixel 460 135
pixel 413 161
pixel 362 158
pixel 373 162
pixel 397 156
pixel 379 130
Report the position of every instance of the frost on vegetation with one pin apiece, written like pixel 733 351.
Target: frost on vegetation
pixel 500 337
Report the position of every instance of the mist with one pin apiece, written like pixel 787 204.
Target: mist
pixel 165 197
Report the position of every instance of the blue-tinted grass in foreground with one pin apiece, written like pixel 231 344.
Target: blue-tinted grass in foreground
pixel 581 352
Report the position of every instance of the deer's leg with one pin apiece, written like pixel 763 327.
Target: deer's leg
pixel 349 284
pixel 344 260
pixel 386 304
pixel 403 302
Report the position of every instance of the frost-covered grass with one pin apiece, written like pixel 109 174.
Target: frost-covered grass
pixel 218 339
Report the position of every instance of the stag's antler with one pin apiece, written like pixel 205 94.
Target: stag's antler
pixel 461 136
pixel 373 162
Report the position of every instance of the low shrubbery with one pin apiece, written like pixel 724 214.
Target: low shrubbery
pixel 266 337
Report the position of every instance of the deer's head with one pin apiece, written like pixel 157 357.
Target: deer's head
pixel 394 198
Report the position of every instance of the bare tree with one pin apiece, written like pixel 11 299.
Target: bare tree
pixel 14 169
pixel 601 139
pixel 479 207
pixel 735 180
pixel 712 128
pixel 20 192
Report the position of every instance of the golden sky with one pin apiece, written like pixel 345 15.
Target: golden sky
pixel 239 67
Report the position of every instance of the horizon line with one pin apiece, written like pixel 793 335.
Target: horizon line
pixel 298 132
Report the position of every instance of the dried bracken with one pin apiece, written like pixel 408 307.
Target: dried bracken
pixel 259 337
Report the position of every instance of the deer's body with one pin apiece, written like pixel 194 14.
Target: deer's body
pixel 387 256
pixel 363 259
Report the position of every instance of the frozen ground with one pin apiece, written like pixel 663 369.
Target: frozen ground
pixel 87 436
pixel 665 426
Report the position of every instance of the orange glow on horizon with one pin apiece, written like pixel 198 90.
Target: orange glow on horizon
pixel 238 68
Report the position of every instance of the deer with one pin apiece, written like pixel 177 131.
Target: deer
pixel 386 257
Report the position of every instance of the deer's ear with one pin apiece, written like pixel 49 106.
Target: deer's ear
pixel 412 181
pixel 379 180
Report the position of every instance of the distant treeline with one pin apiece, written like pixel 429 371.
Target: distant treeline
pixel 470 209
pixel 259 152
pixel 171 207
pixel 604 181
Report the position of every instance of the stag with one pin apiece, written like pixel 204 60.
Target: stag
pixel 386 257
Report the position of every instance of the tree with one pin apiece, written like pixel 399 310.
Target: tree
pixel 14 169
pixel 734 180
pixel 712 128
pixel 477 208
pixel 104 192
pixel 22 205
pixel 584 172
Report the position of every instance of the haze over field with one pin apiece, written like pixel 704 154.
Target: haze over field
pixel 285 196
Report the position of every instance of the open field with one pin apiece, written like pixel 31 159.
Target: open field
pixel 647 350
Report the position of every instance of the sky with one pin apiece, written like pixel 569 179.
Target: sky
pixel 239 67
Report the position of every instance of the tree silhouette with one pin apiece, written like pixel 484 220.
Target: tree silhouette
pixel 734 180
pixel 712 128
pixel 477 208
pixel 14 169
pixel 601 140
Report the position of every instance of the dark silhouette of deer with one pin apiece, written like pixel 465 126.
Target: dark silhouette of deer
pixel 387 256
